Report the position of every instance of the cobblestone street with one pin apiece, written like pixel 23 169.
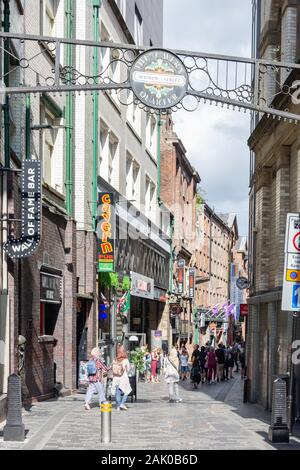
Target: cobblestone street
pixel 212 417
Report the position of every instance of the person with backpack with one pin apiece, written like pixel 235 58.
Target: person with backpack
pixel 95 368
pixel 120 384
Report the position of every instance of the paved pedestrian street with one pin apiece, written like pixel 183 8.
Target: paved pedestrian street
pixel 212 417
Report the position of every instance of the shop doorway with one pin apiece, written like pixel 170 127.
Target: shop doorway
pixel 82 334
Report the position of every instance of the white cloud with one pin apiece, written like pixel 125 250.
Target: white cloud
pixel 215 138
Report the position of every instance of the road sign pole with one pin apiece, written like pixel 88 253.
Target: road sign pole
pixel 291 408
pixel 291 297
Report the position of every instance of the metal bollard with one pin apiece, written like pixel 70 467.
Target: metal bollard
pixel 106 409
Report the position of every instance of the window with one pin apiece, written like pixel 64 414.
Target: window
pixel 51 139
pixel 132 177
pixel 138 27
pixel 151 134
pixel 150 198
pixel 112 160
pixel 48 148
pixel 48 318
pixel 49 12
pixel 133 113
pixel 122 7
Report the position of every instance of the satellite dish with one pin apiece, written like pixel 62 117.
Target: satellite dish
pixel 242 283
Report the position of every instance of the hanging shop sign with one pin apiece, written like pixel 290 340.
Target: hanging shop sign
pixel 142 286
pixel 192 283
pixel 31 192
pixel 180 276
pixel 50 288
pixel 106 232
pixel 159 79
pixel 242 283
pixel 244 310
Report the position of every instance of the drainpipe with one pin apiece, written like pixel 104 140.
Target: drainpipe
pixel 69 115
pixel 96 13
pixel 5 333
pixel 6 26
pixel 159 124
pixel 28 130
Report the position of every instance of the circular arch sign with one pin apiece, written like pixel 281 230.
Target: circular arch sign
pixel 296 241
pixel 159 79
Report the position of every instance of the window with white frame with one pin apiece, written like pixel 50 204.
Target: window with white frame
pixel 151 133
pixel 132 177
pixel 49 12
pixel 122 7
pixel 104 150
pixel 112 159
pixel 150 198
pixel 48 146
pixel 133 113
pixel 138 27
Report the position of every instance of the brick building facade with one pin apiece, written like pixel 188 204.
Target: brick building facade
pixel 179 181
pixel 214 254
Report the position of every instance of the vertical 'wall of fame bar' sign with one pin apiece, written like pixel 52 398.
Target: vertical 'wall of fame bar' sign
pixel 31 182
pixel 106 232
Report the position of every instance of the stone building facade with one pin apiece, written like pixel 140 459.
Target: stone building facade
pixel 275 189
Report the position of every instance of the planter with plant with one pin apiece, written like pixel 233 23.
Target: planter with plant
pixel 137 358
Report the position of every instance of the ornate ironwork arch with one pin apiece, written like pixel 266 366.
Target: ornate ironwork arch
pixel 262 86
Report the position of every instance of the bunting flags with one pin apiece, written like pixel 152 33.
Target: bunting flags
pixel 215 310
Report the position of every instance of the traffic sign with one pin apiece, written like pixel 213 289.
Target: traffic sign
pixel 296 296
pixel 293 234
pixel 291 275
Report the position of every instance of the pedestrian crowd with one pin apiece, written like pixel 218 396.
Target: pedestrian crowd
pixel 208 366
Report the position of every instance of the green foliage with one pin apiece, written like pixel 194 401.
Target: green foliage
pixel 126 284
pixel 137 358
pixel 110 280
pixel 200 197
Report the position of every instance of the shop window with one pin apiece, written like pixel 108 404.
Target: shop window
pixel 48 318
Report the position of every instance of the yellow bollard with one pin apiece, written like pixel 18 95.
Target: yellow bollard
pixel 106 409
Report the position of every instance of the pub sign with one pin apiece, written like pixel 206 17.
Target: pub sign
pixel 106 232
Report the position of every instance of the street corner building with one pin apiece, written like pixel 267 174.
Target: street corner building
pixel 274 192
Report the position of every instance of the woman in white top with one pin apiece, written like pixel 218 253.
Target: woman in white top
pixel 120 384
pixel 172 375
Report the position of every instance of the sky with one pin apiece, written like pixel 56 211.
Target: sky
pixel 215 138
